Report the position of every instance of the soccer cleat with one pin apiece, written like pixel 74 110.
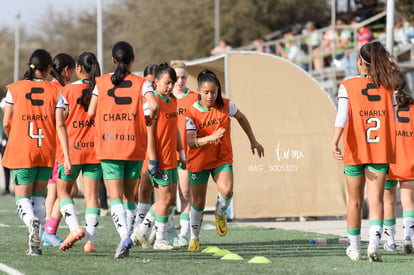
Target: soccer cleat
pixel 391 247
pixel 163 245
pixel 35 248
pixel 373 253
pixel 173 237
pixel 51 239
pixel 183 241
pixel 194 245
pixel 221 225
pixel 407 245
pixel 354 255
pixel 89 247
pixel 71 238
pixel 123 248
pixel 138 238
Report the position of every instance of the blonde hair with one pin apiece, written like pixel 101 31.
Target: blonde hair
pixel 178 64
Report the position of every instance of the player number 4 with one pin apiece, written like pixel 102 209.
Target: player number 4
pixel 39 136
pixel 371 130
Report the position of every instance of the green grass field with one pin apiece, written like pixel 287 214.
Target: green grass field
pixel 289 252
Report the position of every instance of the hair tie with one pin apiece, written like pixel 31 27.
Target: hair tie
pixel 32 66
pixel 366 62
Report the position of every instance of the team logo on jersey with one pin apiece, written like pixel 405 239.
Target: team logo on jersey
pixel 193 176
pixel 35 90
pixel 164 177
pixel 121 100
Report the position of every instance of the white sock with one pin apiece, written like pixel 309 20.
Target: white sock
pixel 119 217
pixel 170 223
pixel 184 224
pixel 25 210
pixel 222 204
pixel 39 210
pixel 131 212
pixel 68 210
pixel 160 228
pixel 389 233
pixel 196 217
pixel 355 242
pixel 148 222
pixel 92 217
pixel 142 210
pixel 375 234
pixel 408 227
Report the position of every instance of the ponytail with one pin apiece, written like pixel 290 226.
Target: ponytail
pixel 59 63
pixel 90 64
pixel 39 60
pixel 402 96
pixel 123 53
pixel 208 76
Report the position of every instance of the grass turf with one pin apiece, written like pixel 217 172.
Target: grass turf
pixel 290 252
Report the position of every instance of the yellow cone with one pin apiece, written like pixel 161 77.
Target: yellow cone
pixel 210 249
pixel 232 257
pixel 259 260
pixel 222 252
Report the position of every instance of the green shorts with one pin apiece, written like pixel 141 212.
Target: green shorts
pixel 202 177
pixel 93 171
pixel 358 170
pixel 29 175
pixel 120 169
pixel 165 177
pixel 390 184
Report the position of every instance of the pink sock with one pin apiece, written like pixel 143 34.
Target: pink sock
pixel 52 225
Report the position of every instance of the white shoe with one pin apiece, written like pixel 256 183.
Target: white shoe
pixel 407 245
pixel 391 247
pixel 354 255
pixel 138 238
pixel 173 237
pixel 35 248
pixel 163 245
pixel 183 241
pixel 373 253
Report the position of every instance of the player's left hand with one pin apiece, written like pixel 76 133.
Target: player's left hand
pixel 259 148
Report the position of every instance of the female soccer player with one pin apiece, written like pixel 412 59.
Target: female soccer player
pixel 35 106
pixel 401 171
pixel 63 66
pixel 168 143
pixel 81 133
pixel 185 98
pixel 210 151
pixel 365 119
pixel 121 142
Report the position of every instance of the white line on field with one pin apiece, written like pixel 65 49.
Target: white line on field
pixel 9 270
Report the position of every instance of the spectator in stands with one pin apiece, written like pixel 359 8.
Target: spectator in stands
pixel 314 38
pixel 292 51
pixel 364 35
pixel 260 47
pixel 366 8
pixel 222 47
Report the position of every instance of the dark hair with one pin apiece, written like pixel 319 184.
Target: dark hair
pixel 39 60
pixel 165 68
pixel 150 69
pixel 379 64
pixel 402 96
pixel 59 63
pixel 123 53
pixel 90 64
pixel 208 76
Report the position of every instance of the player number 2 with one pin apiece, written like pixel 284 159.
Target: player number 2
pixel 39 136
pixel 371 130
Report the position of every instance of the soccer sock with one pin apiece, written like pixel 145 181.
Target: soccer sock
pixel 142 210
pixel 52 225
pixel 389 230
pixel 25 209
pixel 222 204
pixel 161 223
pixel 185 224
pixel 68 210
pixel 170 223
pixel 354 236
pixel 131 211
pixel 39 209
pixel 196 216
pixel 148 222
pixel 119 217
pixel 92 216
pixel 375 230
pixel 408 223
